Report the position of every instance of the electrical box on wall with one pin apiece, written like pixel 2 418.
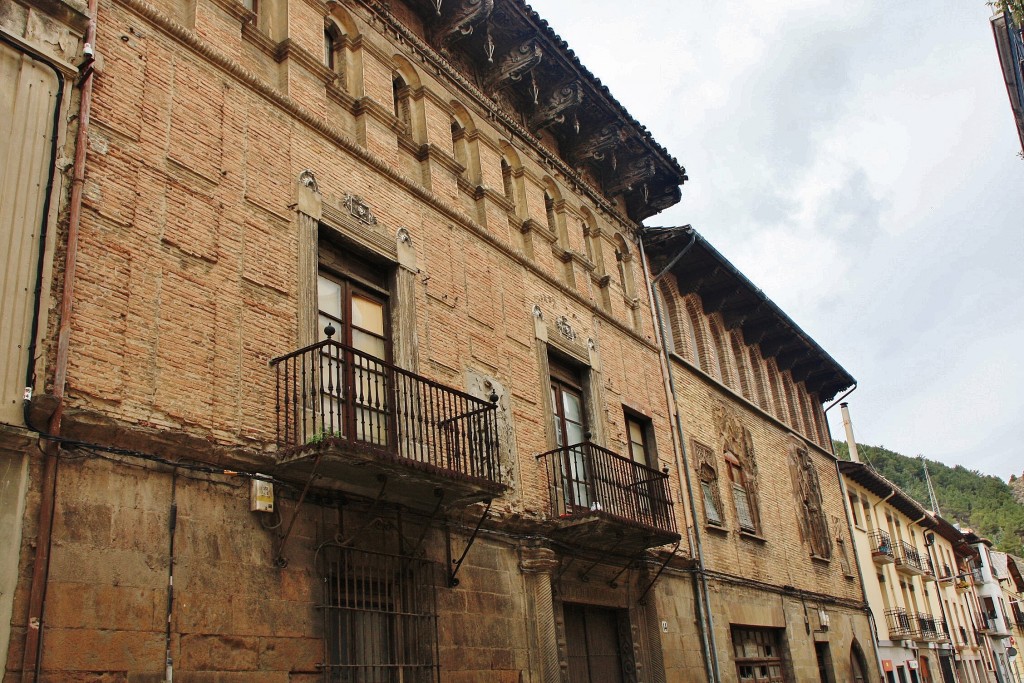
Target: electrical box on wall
pixel 261 496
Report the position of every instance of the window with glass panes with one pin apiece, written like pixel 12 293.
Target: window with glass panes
pixel 570 422
pixel 353 383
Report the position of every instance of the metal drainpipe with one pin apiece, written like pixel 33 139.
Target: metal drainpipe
pixel 32 657
pixel 706 623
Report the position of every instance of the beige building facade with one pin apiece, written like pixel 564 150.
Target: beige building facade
pixel 337 357
pixel 920 581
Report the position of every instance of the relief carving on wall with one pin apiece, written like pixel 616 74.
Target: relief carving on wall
pixel 737 440
pixel 359 209
pixel 807 493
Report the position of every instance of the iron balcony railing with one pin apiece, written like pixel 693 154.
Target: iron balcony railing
pixel 899 622
pixel 926 626
pixel 909 558
pixel 945 573
pixel 585 478
pixel 332 392
pixel 881 546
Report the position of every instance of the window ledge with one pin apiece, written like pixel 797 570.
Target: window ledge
pixel 716 528
pixel 752 536
pixel 821 559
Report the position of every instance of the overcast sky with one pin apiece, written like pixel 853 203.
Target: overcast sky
pixel 858 161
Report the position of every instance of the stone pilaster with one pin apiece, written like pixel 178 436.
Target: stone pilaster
pixel 538 564
pixel 309 207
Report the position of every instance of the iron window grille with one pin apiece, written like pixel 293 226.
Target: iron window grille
pixel 380 617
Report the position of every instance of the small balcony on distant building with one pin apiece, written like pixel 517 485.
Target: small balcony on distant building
pixel 602 500
pixel 927 571
pixel 366 427
pixel 881 547
pixel 900 624
pixel 908 559
pixel 927 628
pixel 945 573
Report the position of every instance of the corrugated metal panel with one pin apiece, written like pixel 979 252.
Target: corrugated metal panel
pixel 26 129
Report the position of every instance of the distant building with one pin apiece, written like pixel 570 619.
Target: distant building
pixel 996 585
pixel 917 578
pixel 1010 47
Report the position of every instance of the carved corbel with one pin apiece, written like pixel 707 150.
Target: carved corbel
pixel 560 102
pixel 669 196
pixel 461 20
pixel 633 175
pixel 599 145
pixel 513 66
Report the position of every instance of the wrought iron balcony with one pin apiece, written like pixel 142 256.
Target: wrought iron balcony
pixel 945 573
pixel 881 547
pixel 601 499
pixel 927 629
pixel 908 559
pixel 367 427
pixel 900 624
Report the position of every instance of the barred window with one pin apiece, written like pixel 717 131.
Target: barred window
pixel 380 620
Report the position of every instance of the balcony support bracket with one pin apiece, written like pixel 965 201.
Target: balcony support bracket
pixel 279 559
pixel 453 581
pixel 583 574
pixel 439 494
pixel 640 600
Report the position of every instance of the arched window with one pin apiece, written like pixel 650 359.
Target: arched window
pixel 464 145
pixel 330 47
pixel 707 473
pixel 401 101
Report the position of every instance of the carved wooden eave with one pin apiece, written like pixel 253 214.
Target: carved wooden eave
pixel 459 19
pixel 514 57
pixel 723 289
pixel 632 175
pixel 559 104
pixel 600 144
pixel 513 66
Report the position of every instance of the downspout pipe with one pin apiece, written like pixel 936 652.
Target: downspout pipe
pixel 705 624
pixel 32 657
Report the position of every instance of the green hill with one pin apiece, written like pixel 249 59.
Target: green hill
pixel 982 502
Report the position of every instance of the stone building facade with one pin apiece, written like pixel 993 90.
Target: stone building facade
pixel 343 363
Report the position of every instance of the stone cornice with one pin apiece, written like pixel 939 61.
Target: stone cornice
pixel 289 49
pixel 373 109
pixel 260 39
pixel 192 41
pixel 340 96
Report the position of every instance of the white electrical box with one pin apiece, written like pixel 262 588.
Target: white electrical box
pixel 261 496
